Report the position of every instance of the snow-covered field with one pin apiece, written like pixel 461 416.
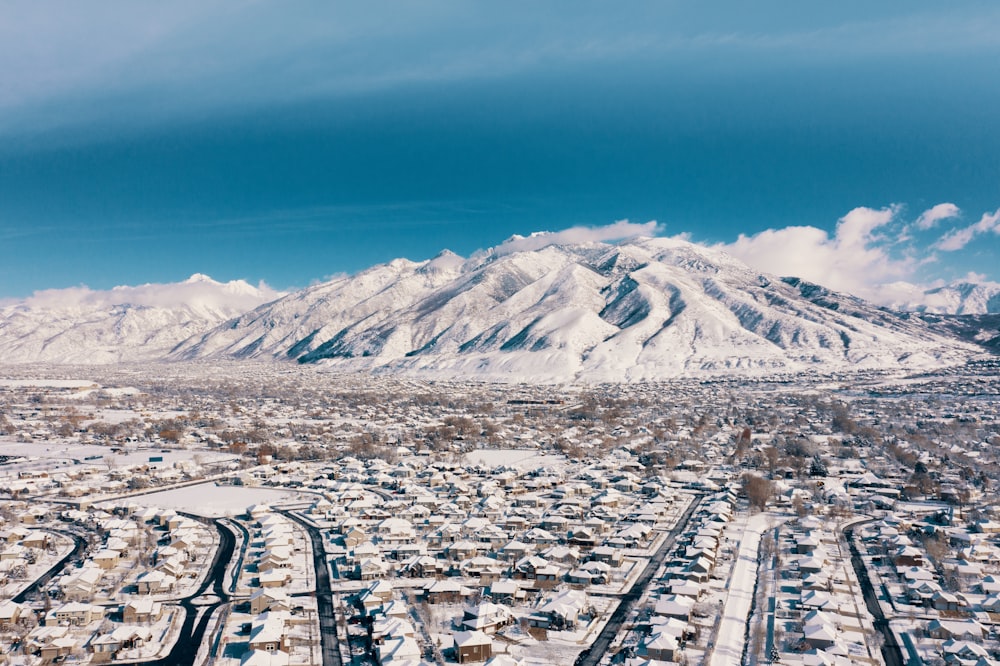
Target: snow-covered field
pixel 208 499
pixel 524 459
pixel 48 383
pixel 69 452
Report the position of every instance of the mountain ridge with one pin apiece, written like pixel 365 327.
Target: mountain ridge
pixel 639 309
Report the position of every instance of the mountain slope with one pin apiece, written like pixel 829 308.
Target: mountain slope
pixel 122 324
pixel 642 309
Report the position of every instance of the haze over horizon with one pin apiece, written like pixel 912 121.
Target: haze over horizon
pixel 851 145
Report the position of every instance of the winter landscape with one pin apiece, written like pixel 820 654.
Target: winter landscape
pixel 641 452
pixel 570 333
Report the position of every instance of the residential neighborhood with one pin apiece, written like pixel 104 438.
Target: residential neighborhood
pixel 170 520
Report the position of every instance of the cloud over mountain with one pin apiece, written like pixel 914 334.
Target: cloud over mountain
pixel 83 325
pixel 855 259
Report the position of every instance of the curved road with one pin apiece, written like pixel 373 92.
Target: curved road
pixel 593 655
pixel 77 552
pixel 195 626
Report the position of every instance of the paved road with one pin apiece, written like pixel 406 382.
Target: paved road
pixel 190 638
pixel 238 565
pixel 195 626
pixel 324 594
pixel 42 581
pixel 891 653
pixel 772 600
pixel 593 655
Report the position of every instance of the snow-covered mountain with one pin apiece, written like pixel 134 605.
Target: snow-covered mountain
pixel 960 298
pixel 143 323
pixel 643 309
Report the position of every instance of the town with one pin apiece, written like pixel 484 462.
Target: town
pixel 267 514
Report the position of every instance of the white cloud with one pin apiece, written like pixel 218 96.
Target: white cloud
pixel 198 292
pixel 930 217
pixel 852 260
pixel 956 239
pixel 619 230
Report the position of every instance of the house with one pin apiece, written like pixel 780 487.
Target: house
pixel 382 589
pixel 445 591
pixel 268 632
pixel 265 658
pixel 506 591
pixel 472 646
pixel 515 550
pixel 487 617
pixel 105 647
pixel 82 586
pixel 371 568
pixel 268 599
pixel 422 566
pixel 385 628
pixel 74 614
pixel 107 558
pixel 661 646
pixel 806 545
pixel 11 613
pixel 399 650
pixel 141 611
pixel 154 582
pixel 908 556
pixel 583 537
pixel 675 606
pixel 279 557
pixel 58 649
pixel 946 601
pixel 36 539
pixel 820 632
pixel 562 611
pixel 275 578
pixel 961 630
pixel 608 555
pixel 963 652
pixel 537 569
pixel 354 537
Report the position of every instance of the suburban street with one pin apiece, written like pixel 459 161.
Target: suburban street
pixel 593 655
pixel 324 595
pixel 200 606
pixel 891 653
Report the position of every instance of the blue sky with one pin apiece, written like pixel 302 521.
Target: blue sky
pixel 144 142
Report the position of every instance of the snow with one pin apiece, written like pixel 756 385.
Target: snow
pixel 69 452
pixel 645 309
pixel 522 459
pixel 208 499
pixel 48 383
pixel 80 325
pixel 733 624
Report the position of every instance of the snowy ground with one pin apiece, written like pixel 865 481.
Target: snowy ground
pixel 208 499
pixel 524 459
pixel 732 626
pixel 53 453
pixel 48 383
pixel 61 546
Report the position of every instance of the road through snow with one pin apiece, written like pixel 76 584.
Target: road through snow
pixel 733 624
